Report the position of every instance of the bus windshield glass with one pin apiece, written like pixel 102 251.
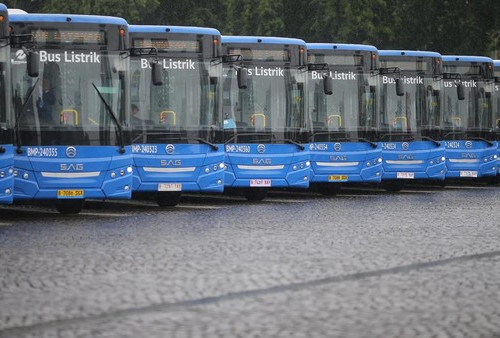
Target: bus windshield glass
pixel 185 107
pixel 418 111
pixel 72 100
pixel 270 109
pixel 350 112
pixel 472 116
pixel 5 107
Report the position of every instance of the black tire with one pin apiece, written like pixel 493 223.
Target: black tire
pixel 168 199
pixel 255 194
pixel 329 189
pixel 70 206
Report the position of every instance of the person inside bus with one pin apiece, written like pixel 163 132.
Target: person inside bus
pixel 45 103
pixel 134 112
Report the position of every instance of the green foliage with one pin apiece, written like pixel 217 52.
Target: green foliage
pixel 446 26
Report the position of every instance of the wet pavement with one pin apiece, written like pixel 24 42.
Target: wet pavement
pixel 366 263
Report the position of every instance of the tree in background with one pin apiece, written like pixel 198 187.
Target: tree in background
pixel 445 26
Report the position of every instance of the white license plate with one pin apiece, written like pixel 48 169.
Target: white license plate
pixel 468 173
pixel 169 186
pixel 260 183
pixel 405 175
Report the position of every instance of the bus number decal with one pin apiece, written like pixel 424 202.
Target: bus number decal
pixel 41 152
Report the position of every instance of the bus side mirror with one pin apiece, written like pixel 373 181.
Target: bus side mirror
pixel 157 73
pixel 242 77
pixel 33 63
pixel 399 88
pixel 327 85
pixel 460 91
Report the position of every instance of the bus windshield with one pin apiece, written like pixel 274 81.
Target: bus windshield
pixel 416 113
pixel 185 107
pixel 5 107
pixel 270 109
pixel 469 117
pixel 350 112
pixel 62 106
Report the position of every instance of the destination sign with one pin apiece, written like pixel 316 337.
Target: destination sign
pixel 166 45
pixel 250 54
pixel 62 36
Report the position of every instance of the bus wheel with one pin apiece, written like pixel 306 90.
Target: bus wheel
pixel 329 189
pixel 393 186
pixel 70 206
pixel 255 194
pixel 168 199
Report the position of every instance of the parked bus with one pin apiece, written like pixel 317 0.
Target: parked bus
pixel 496 113
pixel 343 144
pixel 411 113
pixel 471 149
pixel 72 119
pixel 177 123
pixel 265 119
pixel 6 115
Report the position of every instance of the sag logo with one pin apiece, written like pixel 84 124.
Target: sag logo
pixel 20 55
pixel 468 144
pixel 71 151
pixel 337 147
pixel 170 148
pixel 261 148
pixel 405 145
pixel 71 166
pixel 166 163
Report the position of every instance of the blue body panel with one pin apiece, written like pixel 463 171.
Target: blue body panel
pixel 470 159
pixel 75 18
pixel 340 46
pixel 413 160
pixel 271 165
pixel 41 171
pixel 262 39
pixel 409 53
pixel 172 29
pixel 6 174
pixel 196 167
pixel 354 162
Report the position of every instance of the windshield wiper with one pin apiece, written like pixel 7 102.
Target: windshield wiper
pixel 300 146
pixel 427 138
pixel 113 117
pixel 271 136
pixel 373 144
pixel 213 146
pixel 18 117
pixel 481 139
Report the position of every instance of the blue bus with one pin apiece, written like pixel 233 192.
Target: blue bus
pixel 410 117
pixel 496 113
pixel 471 149
pixel 72 137
pixel 264 110
pixel 6 115
pixel 343 144
pixel 177 121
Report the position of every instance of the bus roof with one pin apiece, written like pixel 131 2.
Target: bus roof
pixel 3 8
pixel 496 63
pixel 73 18
pixel 464 58
pixel 408 53
pixel 340 46
pixel 262 39
pixel 172 29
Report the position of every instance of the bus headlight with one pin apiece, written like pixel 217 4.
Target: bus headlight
pixel 308 164
pixel 129 170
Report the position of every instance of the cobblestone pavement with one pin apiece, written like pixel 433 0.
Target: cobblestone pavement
pixel 422 262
